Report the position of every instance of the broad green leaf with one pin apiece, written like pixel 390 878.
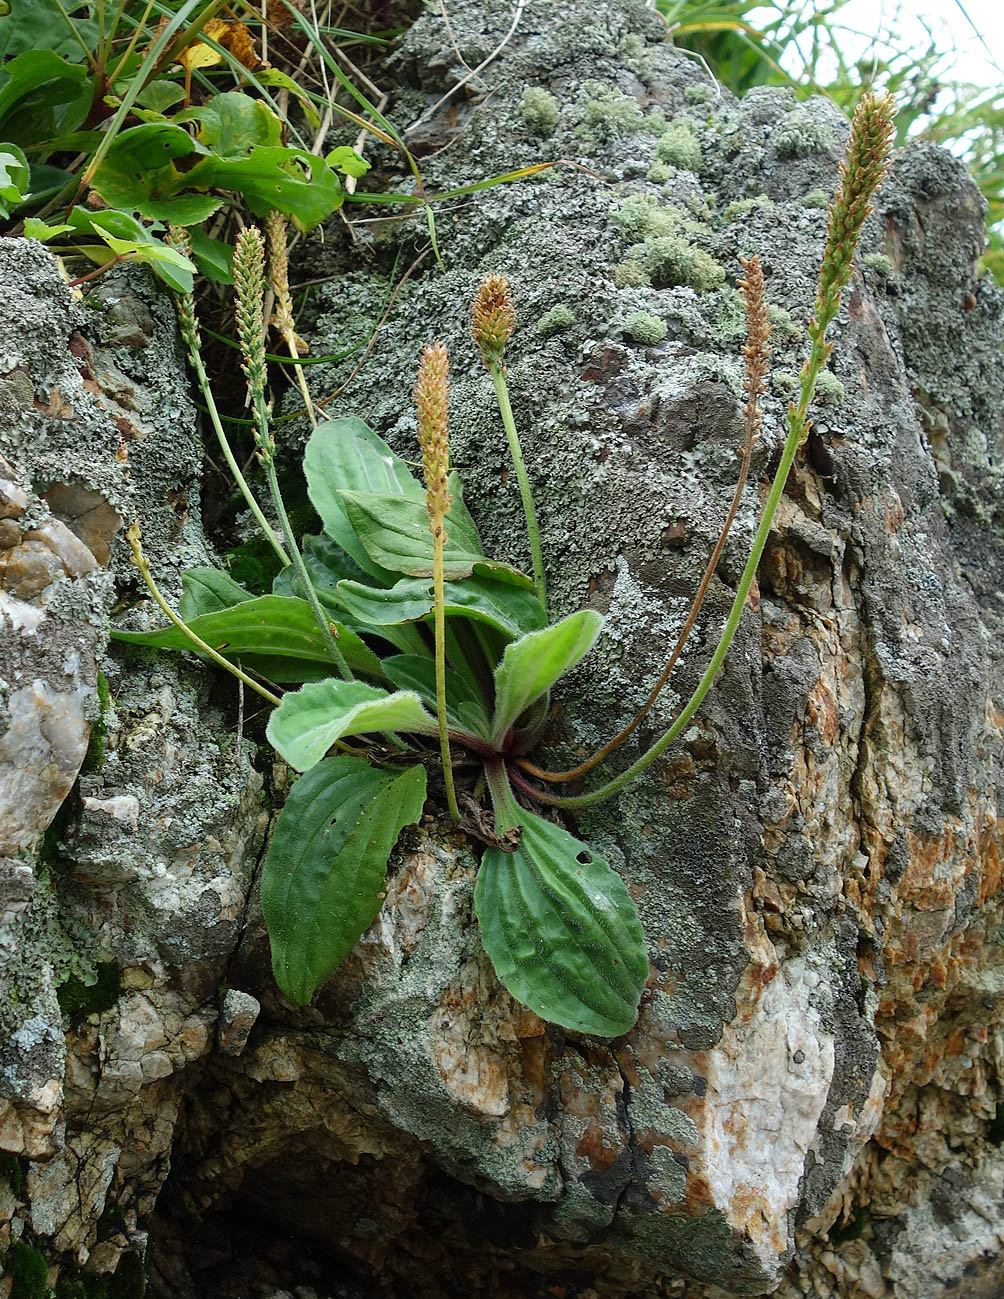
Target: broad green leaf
pixel 270 624
pixel 308 722
pixel 273 77
pixel 394 532
pixel 39 25
pixel 172 266
pixel 213 257
pixel 36 229
pixel 324 873
pixel 346 455
pixel 160 94
pixel 561 930
pixel 292 180
pixel 465 710
pixel 346 160
pixel 208 590
pixel 14 175
pixel 231 124
pixel 41 96
pixel 509 609
pixel 531 665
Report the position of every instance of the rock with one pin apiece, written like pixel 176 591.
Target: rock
pixel 808 1104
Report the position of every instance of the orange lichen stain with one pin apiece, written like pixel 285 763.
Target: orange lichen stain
pixel 596 1146
pixel 750 1212
pixel 923 886
pixel 991 863
pixel 821 712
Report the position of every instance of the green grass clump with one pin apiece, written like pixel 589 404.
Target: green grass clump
pixel 679 146
pixel 645 328
pixel 672 260
pixel 539 110
pixel 28 1272
pixel 556 320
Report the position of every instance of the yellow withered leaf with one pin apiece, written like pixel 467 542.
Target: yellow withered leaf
pixel 201 55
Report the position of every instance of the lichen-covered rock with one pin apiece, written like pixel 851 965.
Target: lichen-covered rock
pixel 809 1103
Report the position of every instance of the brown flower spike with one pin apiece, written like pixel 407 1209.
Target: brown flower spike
pixel 432 405
pixel 492 318
pixel 756 352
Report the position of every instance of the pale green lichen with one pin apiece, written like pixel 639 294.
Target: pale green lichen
pixel 642 216
pixel 783 328
pixel 878 262
pixel 731 323
pixel 630 275
pixel 609 115
pixel 539 110
pixel 699 94
pixel 645 328
pixel 784 383
pixel 554 321
pixel 679 146
pixel 801 135
pixel 672 260
pixel 659 172
pixel 712 368
pixel 829 389
pixel 816 198
pixel 740 207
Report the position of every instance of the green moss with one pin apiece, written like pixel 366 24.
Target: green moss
pixel 731 323
pixel 740 207
pixel 77 997
pixel 671 260
pixel 659 172
pixel 800 136
pixel 782 325
pixel 630 275
pixel 699 94
pixel 642 216
pixel 644 328
pixel 28 1272
pixel 829 389
pixel 13 1173
pixel 554 321
pixel 679 146
pixel 878 262
pixel 816 198
pixel 784 383
pixel 539 110
pixel 608 115
pixel 94 758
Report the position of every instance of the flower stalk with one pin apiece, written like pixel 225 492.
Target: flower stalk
pixel 282 312
pixel 189 327
pixel 865 161
pixel 431 397
pixel 493 320
pixel 249 284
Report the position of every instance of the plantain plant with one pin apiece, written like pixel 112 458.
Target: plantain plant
pixel 413 653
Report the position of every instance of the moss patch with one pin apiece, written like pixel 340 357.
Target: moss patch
pixel 679 146
pixel 800 135
pixel 77 997
pixel 28 1272
pixel 829 389
pixel 672 260
pixel 642 216
pixel 816 198
pixel 645 328
pixel 13 1173
pixel 94 758
pixel 609 115
pixel 554 321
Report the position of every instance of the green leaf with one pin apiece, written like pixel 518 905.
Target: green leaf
pixel 531 665
pixel 232 124
pixel 269 624
pixel 561 930
pixel 346 455
pixel 36 229
pixel 172 266
pixel 395 534
pixel 160 94
pixel 465 710
pixel 208 590
pixel 273 77
pixel 324 873
pixel 509 609
pixel 39 25
pixel 346 160
pixel 41 96
pixel 213 257
pixel 308 722
pixel 292 180
pixel 14 177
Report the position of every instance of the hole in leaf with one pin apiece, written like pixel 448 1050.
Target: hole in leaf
pixel 584 857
